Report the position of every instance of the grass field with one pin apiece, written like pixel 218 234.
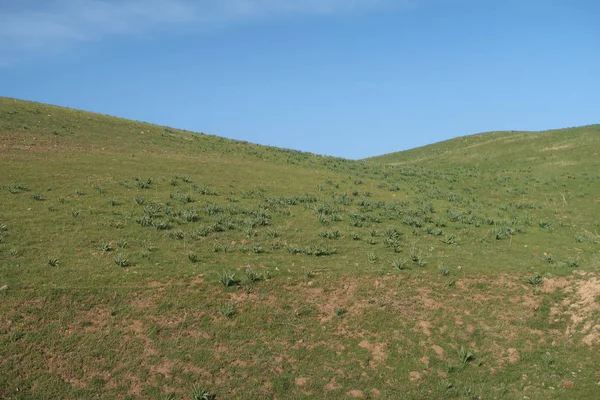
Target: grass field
pixel 139 261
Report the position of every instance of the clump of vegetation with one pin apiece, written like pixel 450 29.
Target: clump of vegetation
pixel 534 280
pixel 193 257
pixel 465 355
pixel 228 279
pixel 213 204
pixel 122 261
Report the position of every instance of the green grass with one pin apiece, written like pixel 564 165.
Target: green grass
pixel 170 264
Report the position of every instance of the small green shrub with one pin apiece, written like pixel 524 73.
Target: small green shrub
pixel 450 239
pixel 221 248
pixel 228 279
pixel 252 275
pixel 399 264
pixel 372 257
pixel 465 355
pixel 228 310
pixel 104 246
pixel 544 224
pixel 37 196
pixel 547 359
pixel 176 234
pixel 534 279
pixel 572 263
pixel 444 271
pixel 199 393
pixel 122 261
pixel 17 188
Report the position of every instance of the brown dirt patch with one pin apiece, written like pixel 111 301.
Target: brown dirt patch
pixel 425 327
pixel 164 368
pixel 426 300
pixel 357 394
pixel 377 351
pixel 137 328
pixel 551 284
pixel 93 320
pixel 512 356
pixel 332 385
pixel 414 376
pixel 438 350
pixel 301 381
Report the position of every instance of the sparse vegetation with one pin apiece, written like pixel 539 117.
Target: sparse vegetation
pixel 298 266
pixel 534 279
pixel 122 261
pixel 228 279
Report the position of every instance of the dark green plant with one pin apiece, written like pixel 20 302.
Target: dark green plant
pixel 534 279
pixel 372 257
pixel 122 261
pixel 444 271
pixel 544 224
pixel 399 264
pixel 465 355
pixel 199 393
pixel 252 275
pixel 450 239
pixel 176 234
pixel 228 279
pixel 104 246
pixel 18 188
pixel 228 310
pixel 548 359
pixel 572 263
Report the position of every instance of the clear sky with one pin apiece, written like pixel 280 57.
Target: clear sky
pixel 351 78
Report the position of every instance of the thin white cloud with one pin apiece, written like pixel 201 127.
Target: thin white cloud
pixel 34 26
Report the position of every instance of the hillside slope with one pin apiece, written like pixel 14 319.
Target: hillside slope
pixel 139 261
pixel 544 149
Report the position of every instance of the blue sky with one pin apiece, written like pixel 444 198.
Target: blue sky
pixel 351 78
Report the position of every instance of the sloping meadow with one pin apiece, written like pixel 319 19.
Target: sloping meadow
pixel 143 261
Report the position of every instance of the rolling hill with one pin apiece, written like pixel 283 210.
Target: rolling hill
pixel 141 261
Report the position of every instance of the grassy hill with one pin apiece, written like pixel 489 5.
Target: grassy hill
pixel 540 150
pixel 140 261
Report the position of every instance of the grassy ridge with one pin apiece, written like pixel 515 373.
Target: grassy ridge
pixel 145 261
pixel 540 150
